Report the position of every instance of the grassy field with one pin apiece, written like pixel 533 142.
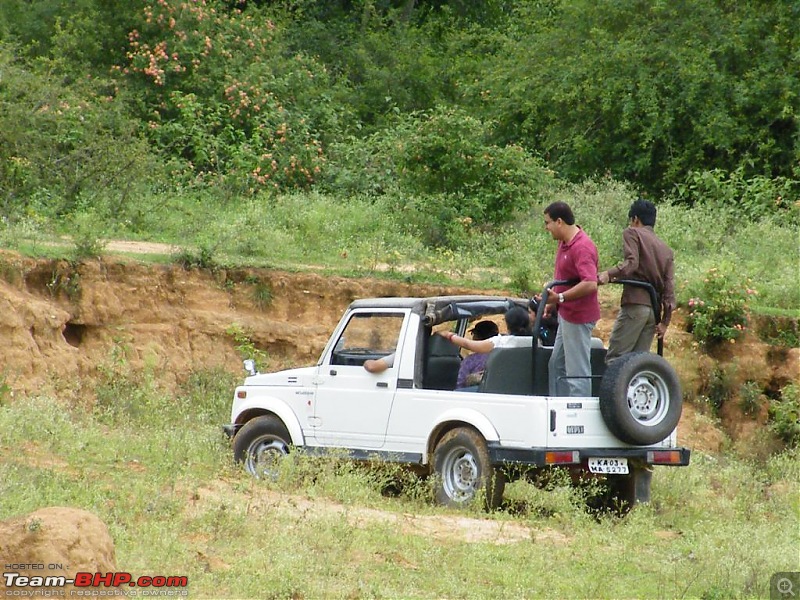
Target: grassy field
pixel 359 236
pixel 157 469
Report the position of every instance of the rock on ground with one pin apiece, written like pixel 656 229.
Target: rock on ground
pixel 55 541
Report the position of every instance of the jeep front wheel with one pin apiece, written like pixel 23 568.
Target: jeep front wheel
pixel 462 467
pixel 260 445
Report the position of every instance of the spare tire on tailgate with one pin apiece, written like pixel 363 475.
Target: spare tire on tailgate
pixel 640 398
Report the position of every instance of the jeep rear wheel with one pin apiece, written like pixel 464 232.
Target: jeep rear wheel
pixel 260 445
pixel 461 463
pixel 640 398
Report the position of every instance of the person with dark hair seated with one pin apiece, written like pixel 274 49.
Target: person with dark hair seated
pixel 548 326
pixel 473 365
pixel 518 325
pixel 519 328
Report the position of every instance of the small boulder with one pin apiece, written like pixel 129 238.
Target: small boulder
pixel 55 541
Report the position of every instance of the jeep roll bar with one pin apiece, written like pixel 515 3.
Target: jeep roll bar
pixel 654 301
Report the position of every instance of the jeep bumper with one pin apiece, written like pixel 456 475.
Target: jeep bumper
pixel 540 457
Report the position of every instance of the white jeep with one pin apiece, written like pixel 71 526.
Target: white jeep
pixel 472 442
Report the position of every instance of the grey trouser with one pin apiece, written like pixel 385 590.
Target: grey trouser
pixel 570 367
pixel 633 331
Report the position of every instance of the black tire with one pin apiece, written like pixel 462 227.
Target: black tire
pixel 260 445
pixel 462 468
pixel 640 398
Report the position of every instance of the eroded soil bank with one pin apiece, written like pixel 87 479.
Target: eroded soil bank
pixel 61 322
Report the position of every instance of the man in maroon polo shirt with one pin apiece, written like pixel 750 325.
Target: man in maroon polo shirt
pixel 570 368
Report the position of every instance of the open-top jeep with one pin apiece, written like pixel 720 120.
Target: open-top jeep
pixel 412 414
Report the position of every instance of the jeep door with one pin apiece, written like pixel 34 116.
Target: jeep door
pixel 352 405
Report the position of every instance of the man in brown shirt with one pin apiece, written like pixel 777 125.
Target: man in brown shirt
pixel 646 258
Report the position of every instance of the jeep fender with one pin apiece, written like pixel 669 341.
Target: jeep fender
pixel 460 417
pixel 263 405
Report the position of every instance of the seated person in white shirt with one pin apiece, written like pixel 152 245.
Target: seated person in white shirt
pixel 519 335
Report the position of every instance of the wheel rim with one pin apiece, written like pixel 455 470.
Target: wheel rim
pixel 648 398
pixel 263 456
pixel 460 474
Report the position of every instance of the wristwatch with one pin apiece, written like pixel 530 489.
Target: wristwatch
pixel 561 299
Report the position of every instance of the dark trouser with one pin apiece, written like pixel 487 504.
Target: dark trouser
pixel 633 331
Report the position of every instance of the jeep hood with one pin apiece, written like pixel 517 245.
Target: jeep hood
pixel 289 377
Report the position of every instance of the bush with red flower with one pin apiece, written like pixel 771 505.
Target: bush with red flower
pixel 719 311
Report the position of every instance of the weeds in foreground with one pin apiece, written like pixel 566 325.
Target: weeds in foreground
pixel 157 469
pixel 784 414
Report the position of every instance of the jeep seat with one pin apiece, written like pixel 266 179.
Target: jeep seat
pixel 508 370
pixel 442 362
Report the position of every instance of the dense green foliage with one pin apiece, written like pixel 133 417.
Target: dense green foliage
pixel 250 94
pixel 65 149
pixel 651 91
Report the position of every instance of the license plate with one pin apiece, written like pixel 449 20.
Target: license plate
pixel 609 466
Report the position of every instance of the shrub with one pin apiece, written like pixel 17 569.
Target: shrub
pixel 718 387
pixel 752 197
pixel 87 231
pixel 442 174
pixel 246 347
pixel 778 327
pixel 66 146
pixel 221 89
pixel 784 413
pixel 719 311
pixel 203 258
pixel 750 397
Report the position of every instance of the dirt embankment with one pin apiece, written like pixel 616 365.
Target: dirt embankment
pixel 60 323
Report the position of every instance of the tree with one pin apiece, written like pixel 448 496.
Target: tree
pixel 649 91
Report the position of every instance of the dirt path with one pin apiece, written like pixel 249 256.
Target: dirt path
pixel 129 247
pixel 258 500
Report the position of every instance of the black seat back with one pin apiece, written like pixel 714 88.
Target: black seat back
pixel 508 370
pixel 442 361
pixel 597 359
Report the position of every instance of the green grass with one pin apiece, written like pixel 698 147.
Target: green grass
pixel 157 470
pixel 361 236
